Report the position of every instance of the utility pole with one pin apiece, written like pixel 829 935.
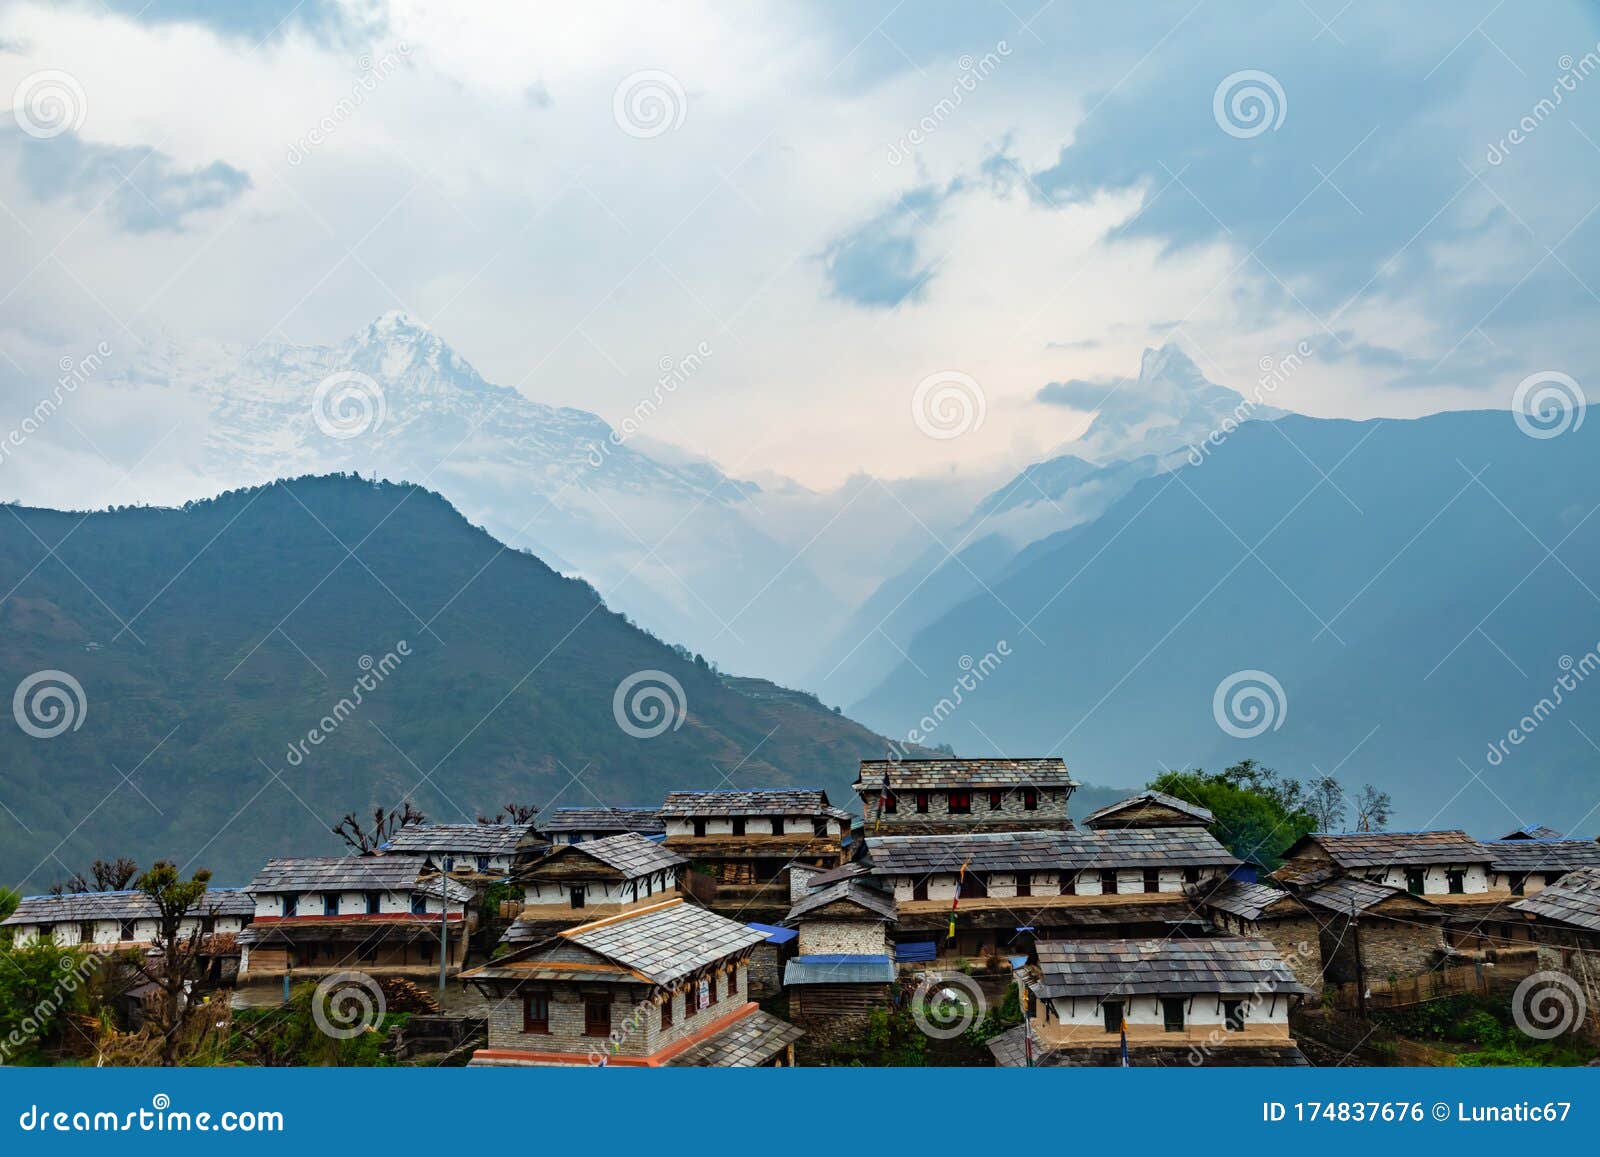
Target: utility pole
pixel 444 929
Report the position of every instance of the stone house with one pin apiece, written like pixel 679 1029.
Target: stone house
pixel 843 969
pixel 665 984
pixel 117 921
pixel 1241 908
pixel 573 825
pixel 381 914
pixel 1150 809
pixel 1372 931
pixel 473 853
pixel 946 796
pixel 746 842
pixel 1431 864
pixel 578 883
pixel 1563 921
pixel 1218 1001
pixel 1018 887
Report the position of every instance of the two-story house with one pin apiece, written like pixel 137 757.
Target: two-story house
pixel 573 825
pixel 843 968
pixel 473 853
pixel 746 842
pixel 1217 1001
pixel 664 984
pixel 578 883
pixel 943 796
pixel 382 914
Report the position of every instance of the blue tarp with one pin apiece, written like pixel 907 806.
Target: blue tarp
pixel 773 933
pixel 916 951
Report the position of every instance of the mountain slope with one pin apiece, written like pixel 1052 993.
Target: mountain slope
pixel 1409 608
pixel 211 642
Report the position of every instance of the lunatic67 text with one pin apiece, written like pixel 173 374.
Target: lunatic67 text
pixel 1356 1112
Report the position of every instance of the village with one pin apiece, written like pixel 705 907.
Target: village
pixel 955 913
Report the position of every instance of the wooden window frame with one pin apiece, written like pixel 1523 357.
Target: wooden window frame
pixel 1069 883
pixel 1030 799
pixel 922 803
pixel 699 825
pixel 1108 876
pixel 666 1012
pixel 530 1023
pixel 1113 1011
pixel 738 825
pixel 996 800
pixel 590 1023
pixel 958 803
pixel 1173 1014
pixel 1152 880
pixel 1235 1015
pixel 777 825
pixel 1024 883
pixel 919 888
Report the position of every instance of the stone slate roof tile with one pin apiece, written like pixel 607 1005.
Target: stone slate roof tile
pixel 936 774
pixel 126 905
pixel 1574 899
pixel 1386 849
pixel 665 942
pixel 1108 968
pixel 645 820
pixel 459 839
pixel 383 873
pixel 631 854
pixel 752 1040
pixel 854 891
pixel 1534 832
pixel 1543 855
pixel 1201 815
pixel 1047 851
pixel 782 801
pixel 1246 900
pixel 1350 896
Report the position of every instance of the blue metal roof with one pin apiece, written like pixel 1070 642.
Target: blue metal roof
pixel 773 933
pixel 836 968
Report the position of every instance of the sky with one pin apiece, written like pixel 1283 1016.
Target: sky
pixel 876 217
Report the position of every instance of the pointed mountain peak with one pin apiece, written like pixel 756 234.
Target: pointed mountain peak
pixel 397 324
pixel 1169 363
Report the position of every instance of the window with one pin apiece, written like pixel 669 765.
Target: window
pixel 738 825
pixel 1069 883
pixel 777 825
pixel 1233 1014
pixel 1112 1011
pixel 919 888
pixel 1172 1013
pixel 1152 879
pixel 1414 879
pixel 536 1012
pixel 1024 883
pixel 960 803
pixel 449 863
pixel 291 906
pixel 374 903
pixel 691 999
pixel 577 897
pixel 597 1016
pixel 86 933
pixel 666 1012
pixel 819 827
pixel 1030 799
pixel 891 804
pixel 1191 875
pixel 483 863
pixel 1033 1005
pixel 994 800
pixel 1457 880
pixel 975 885
pixel 125 930
pixel 419 904
pixel 1519 883
pixel 700 828
pixel 711 989
pixel 1108 881
pixel 922 803
pixel 733 981
pixel 330 904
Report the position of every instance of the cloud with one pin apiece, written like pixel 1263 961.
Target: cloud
pixel 879 264
pixel 143 190
pixel 1076 393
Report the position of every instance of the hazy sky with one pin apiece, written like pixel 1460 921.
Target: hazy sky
pixel 837 200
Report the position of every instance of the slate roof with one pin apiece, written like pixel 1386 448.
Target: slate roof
pixel 838 969
pixel 847 871
pixel 1350 896
pixel 1108 968
pixel 646 820
pixel 1534 832
pixel 1201 815
pixel 455 891
pixel 1573 899
pixel 958 773
pixel 665 942
pixel 1543 855
pixel 1046 851
pixel 384 873
pixel 780 801
pixel 630 853
pixel 752 1040
pixel 126 905
pixel 1244 900
pixel 1386 849
pixel 459 839
pixel 856 892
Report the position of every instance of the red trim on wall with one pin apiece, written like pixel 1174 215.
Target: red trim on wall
pixel 654 1060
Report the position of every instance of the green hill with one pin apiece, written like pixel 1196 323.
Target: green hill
pixel 220 649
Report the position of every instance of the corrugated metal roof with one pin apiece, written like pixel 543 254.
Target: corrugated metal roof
pixel 838 969
pixel 773 933
pixel 959 773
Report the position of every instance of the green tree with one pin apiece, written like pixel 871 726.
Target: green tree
pixel 1258 812
pixel 176 965
pixel 9 899
pixel 40 986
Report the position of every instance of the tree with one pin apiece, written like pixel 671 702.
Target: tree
pixel 177 962
pixel 1258 813
pixel 103 876
pixel 1372 809
pixel 9 899
pixel 41 985
pixel 1325 800
pixel 384 826
pixel 520 814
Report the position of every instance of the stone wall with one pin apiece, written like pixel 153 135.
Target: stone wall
pixel 1387 948
pixel 846 937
